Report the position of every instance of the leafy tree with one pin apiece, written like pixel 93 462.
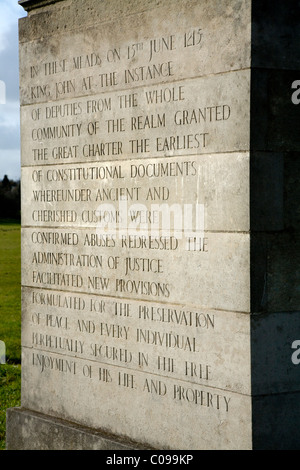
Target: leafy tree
pixel 10 199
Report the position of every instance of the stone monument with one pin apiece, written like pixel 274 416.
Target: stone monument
pixel 160 225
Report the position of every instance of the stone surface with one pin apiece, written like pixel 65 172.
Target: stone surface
pixel 160 228
pixel 275 421
pixel 40 432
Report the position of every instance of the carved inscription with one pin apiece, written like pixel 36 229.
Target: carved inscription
pixel 122 114
pixel 124 264
pixel 128 344
pixel 118 241
pixel 165 120
pixel 110 67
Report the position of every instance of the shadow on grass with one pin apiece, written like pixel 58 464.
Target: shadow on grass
pixel 10 394
pixel 10 319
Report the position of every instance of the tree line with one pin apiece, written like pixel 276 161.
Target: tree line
pixel 10 199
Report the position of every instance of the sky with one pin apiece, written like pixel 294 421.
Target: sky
pixel 10 164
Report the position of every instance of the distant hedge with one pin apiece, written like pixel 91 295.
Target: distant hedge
pixel 10 199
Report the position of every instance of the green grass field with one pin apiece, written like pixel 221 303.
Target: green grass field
pixel 10 319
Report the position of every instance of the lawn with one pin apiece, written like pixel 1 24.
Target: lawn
pixel 10 319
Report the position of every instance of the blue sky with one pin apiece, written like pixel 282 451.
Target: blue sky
pixel 10 11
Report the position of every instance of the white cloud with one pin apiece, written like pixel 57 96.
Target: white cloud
pixel 10 11
pixel 10 163
pixel 2 92
pixel 10 116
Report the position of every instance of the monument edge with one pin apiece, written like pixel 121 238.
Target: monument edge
pixel 29 5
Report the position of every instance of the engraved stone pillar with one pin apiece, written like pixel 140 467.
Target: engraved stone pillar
pixel 160 225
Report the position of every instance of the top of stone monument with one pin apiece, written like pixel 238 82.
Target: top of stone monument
pixel 31 4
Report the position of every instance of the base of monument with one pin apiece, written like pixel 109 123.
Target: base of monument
pixel 28 430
